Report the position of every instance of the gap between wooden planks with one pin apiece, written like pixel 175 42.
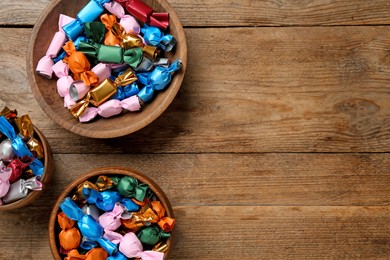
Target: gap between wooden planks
pixel 296 89
pixel 211 13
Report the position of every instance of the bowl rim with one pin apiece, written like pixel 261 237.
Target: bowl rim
pixel 108 170
pixel 48 170
pixel 77 127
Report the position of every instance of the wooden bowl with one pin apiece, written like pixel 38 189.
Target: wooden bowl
pixel 48 170
pixel 113 170
pixel 45 90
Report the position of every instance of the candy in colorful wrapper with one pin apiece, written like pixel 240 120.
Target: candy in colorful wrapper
pixel 78 195
pixel 91 210
pixel 8 113
pixel 112 54
pixel 165 223
pixel 158 79
pixel 130 246
pixel 19 189
pixel 6 151
pixel 88 227
pixel 61 70
pixel 108 21
pixel 94 32
pixel 161 247
pixel 144 217
pixel 26 130
pixel 45 64
pixel 126 91
pixel 79 64
pixel 99 94
pixel 93 254
pixel 17 166
pixel 130 187
pixel 78 89
pixel 69 236
pixel 127 21
pixel 112 220
pixel 104 200
pixel 87 244
pixel 104 182
pixel 130 205
pixel 111 108
pixel 117 35
pixel 88 14
pixel 19 147
pixel 117 256
pixel 145 13
pixel 155 37
pixel 152 235
pixel 5 174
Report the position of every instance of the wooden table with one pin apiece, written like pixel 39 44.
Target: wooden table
pixel 277 145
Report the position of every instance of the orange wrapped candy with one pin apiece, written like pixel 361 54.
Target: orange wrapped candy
pixel 79 65
pixel 165 223
pixel 69 236
pixel 108 20
pixel 93 254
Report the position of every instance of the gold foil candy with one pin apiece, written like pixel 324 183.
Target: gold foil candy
pixel 78 195
pixel 161 247
pixel 151 52
pixel 26 129
pixel 126 78
pixel 102 92
pixel 104 183
pixel 127 40
pixel 96 96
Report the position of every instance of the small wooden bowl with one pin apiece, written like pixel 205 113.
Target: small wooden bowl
pixel 113 170
pixel 45 90
pixel 49 167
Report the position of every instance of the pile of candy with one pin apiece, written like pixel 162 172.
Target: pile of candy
pixel 20 154
pixel 117 218
pixel 127 70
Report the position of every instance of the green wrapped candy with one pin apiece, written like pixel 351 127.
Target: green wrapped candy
pixel 130 188
pixel 112 54
pixel 94 31
pixel 152 235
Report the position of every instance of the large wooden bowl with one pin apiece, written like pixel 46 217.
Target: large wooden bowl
pixel 45 90
pixel 48 171
pixel 113 170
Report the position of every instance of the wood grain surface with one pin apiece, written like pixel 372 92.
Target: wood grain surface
pixel 317 89
pixel 208 13
pixel 276 147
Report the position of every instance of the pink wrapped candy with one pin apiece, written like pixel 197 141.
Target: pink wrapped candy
pixel 128 22
pixel 46 63
pixel 130 246
pixel 5 174
pixel 111 108
pixel 112 220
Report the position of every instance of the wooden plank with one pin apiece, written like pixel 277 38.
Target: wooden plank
pixel 317 89
pixel 239 13
pixel 248 179
pixel 232 232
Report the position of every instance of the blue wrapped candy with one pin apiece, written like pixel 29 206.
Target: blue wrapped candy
pixel 104 200
pixel 158 79
pixel 19 147
pixel 88 14
pixel 117 256
pixel 88 226
pixel 155 37
pixel 126 91
pixel 130 205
